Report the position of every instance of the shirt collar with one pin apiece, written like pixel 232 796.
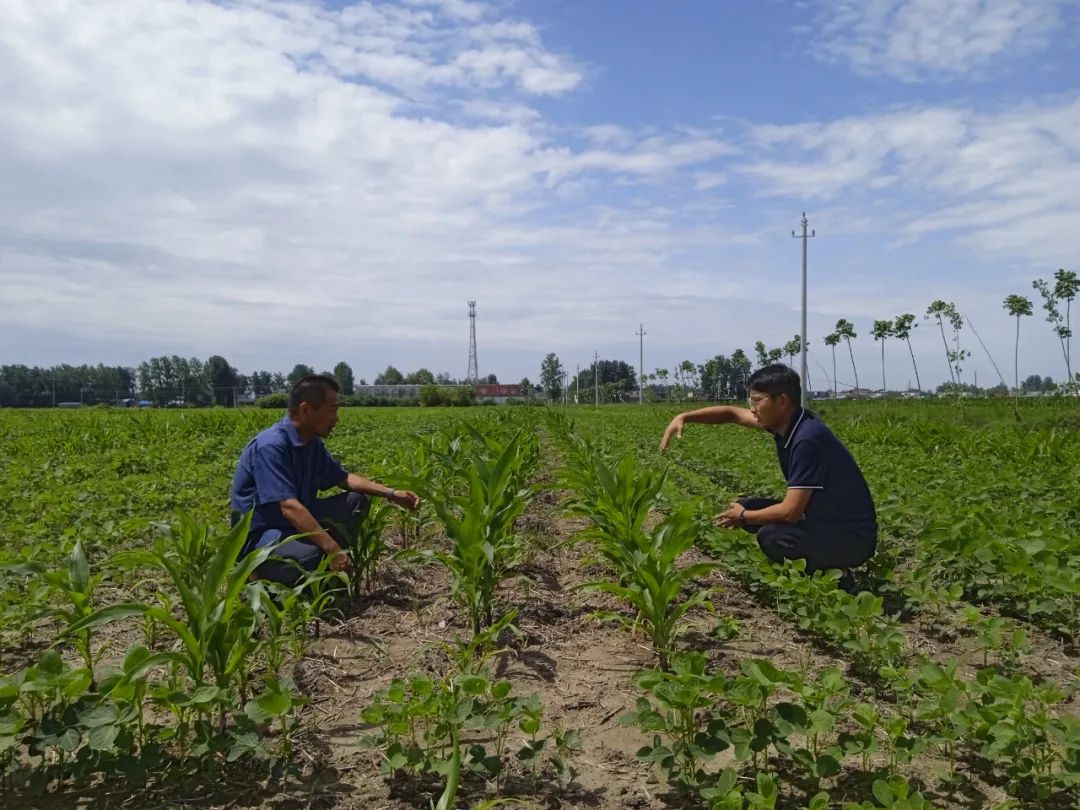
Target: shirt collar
pixel 291 431
pixel 796 420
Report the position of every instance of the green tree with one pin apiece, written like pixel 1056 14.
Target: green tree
pixel 433 395
pixel 740 374
pixel 1034 382
pixel 391 376
pixel 224 380
pixel 846 330
pixel 616 380
pixel 298 373
pixel 1066 286
pixel 463 395
pixel 1017 306
pixel 551 375
pixel 343 373
pixel 882 330
pixel 526 388
pixel 902 327
pixel 421 376
pixel 946 311
pixel 792 348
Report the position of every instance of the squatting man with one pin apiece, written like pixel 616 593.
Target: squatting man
pixel 279 476
pixel 827 516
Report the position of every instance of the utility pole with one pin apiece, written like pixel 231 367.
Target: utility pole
pixel 596 376
pixel 802 354
pixel 641 363
pixel 577 385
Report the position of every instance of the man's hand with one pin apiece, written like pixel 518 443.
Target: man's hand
pixel 339 560
pixel 730 518
pixel 405 499
pixel 674 429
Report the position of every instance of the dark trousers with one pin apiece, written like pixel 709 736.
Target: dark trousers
pixel 339 515
pixel 823 547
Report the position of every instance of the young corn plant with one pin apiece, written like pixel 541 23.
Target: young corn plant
pixel 479 521
pixel 370 545
pixel 216 637
pixel 75 586
pixel 651 581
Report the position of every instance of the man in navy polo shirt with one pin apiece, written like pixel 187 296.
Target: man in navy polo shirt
pixel 827 517
pixel 279 476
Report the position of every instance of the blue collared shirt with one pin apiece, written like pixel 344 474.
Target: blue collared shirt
pixel 811 457
pixel 276 465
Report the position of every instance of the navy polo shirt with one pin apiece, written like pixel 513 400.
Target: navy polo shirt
pixel 277 465
pixel 811 457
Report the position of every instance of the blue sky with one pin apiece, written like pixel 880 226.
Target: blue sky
pixel 285 182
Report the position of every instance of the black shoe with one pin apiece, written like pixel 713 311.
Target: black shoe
pixel 846 582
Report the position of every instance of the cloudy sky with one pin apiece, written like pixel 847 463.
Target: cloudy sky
pixel 286 182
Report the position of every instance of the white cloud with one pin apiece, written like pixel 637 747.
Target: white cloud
pixel 919 39
pixel 1006 180
pixel 192 173
pixel 282 182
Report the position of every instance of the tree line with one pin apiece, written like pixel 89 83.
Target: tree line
pixel 725 377
pixel 175 380
pixel 171 380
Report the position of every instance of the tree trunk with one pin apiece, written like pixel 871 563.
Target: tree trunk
pixel 945 343
pixel 883 386
pixel 835 395
pixel 1016 359
pixel 914 365
pixel 855 371
pixel 1068 340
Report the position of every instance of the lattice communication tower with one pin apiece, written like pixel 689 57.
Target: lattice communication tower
pixel 473 375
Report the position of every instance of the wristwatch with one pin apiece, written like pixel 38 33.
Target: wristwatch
pixel 742 516
pixel 390 493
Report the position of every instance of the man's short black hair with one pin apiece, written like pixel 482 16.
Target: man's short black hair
pixel 313 389
pixel 775 380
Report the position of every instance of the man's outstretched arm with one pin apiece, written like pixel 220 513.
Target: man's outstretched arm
pixel 400 497
pixel 715 415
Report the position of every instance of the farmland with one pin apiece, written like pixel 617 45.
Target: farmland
pixel 560 625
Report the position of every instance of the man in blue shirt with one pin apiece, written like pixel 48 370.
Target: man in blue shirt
pixel 827 517
pixel 279 476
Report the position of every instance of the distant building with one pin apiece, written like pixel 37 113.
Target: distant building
pixel 388 391
pixel 497 393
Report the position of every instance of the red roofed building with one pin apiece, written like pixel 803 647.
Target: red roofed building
pixel 497 391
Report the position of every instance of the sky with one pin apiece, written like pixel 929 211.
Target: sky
pixel 306 182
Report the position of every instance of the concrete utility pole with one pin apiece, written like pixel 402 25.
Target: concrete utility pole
pixel 802 354
pixel 596 376
pixel 641 363
pixel 577 385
